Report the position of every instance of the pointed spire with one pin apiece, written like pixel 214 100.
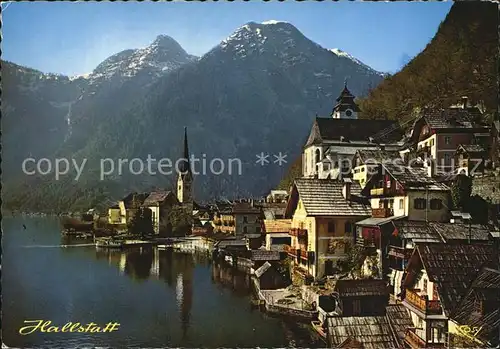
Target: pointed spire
pixel 185 165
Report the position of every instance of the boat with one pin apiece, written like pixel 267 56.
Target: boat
pixel 109 243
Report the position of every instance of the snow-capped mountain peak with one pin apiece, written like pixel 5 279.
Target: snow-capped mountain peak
pixel 273 21
pixel 344 54
pixel 162 55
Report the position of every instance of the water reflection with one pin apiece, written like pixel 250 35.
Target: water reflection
pixel 176 269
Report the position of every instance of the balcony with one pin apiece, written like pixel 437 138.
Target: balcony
pixel 298 232
pixel 376 191
pixel 424 151
pixel 413 340
pixel 399 252
pixel 422 303
pixel 292 251
pixel 382 212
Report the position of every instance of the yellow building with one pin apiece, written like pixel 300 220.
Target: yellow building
pixel 367 162
pixel 114 215
pixel 323 214
pixel 129 205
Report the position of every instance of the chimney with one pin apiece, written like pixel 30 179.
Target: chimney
pixel 430 167
pixel 346 191
pixel 464 102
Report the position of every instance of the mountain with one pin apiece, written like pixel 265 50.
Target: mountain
pixel 461 60
pixel 257 91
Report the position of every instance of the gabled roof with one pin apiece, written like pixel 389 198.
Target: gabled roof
pixel 330 129
pixel 486 288
pixel 399 318
pixel 471 149
pixel 465 120
pixel 487 187
pixel 138 197
pixel 245 208
pixel 461 231
pixel 277 225
pixel 373 332
pixel 416 231
pixel 413 178
pixel 453 267
pixel 359 288
pixel 376 156
pixel 157 197
pixel 323 197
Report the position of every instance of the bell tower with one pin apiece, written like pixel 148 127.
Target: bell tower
pixel 345 108
pixel 185 178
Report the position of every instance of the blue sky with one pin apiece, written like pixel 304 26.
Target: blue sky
pixel 74 37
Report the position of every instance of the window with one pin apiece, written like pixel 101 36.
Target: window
pixel 348 112
pixel 401 204
pixel 318 157
pixel 348 227
pixel 436 204
pixel 391 203
pixel 245 219
pixel 419 204
pixel 257 230
pixel 362 169
pixel 447 158
pixel 388 184
pixel 424 288
pixel 447 140
pixel 331 227
pixel 245 230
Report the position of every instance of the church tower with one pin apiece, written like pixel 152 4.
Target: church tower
pixel 185 178
pixel 345 108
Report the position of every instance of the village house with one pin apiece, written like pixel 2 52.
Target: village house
pixel 323 213
pixel 129 205
pixel 223 221
pixel 367 162
pixel 333 141
pixel 361 316
pixel 437 133
pixel 114 214
pixel 273 210
pixel 399 190
pixel 437 278
pixel 470 159
pixel 247 218
pixel 277 196
pixel 160 203
pixel 277 234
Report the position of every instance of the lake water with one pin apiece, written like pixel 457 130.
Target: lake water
pixel 159 298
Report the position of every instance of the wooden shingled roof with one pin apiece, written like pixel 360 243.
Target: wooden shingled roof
pixel 277 225
pixel 373 332
pixel 323 197
pixel 486 289
pixel 358 288
pixel 453 267
pixel 399 319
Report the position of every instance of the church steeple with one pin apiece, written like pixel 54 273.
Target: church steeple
pixel 185 166
pixel 185 177
pixel 345 108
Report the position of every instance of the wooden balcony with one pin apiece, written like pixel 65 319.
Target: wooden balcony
pixel 382 212
pixel 377 191
pixel 400 252
pixel 413 340
pixel 292 251
pixel 298 232
pixel 422 303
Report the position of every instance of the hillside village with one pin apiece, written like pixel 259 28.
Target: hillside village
pixel 390 238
